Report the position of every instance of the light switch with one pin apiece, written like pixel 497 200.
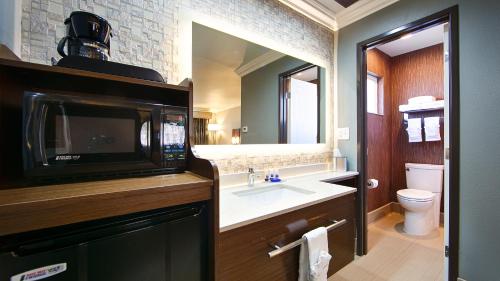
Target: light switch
pixel 343 133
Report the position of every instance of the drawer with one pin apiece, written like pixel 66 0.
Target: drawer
pixel 243 252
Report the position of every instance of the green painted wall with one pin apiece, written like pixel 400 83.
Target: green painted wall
pixel 259 101
pixel 479 61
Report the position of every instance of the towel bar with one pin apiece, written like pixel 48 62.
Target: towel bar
pixel 279 250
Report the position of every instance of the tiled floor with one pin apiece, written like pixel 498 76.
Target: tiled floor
pixel 393 255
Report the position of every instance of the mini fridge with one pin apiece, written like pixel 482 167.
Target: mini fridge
pixel 162 245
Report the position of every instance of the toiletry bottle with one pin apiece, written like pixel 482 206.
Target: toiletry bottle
pixel 271 175
pixel 277 175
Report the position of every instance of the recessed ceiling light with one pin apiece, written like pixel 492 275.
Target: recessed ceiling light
pixel 406 36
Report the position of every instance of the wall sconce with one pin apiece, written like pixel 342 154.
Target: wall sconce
pixel 235 136
pixel 213 127
pixel 212 131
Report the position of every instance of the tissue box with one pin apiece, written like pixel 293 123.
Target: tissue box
pixel 340 164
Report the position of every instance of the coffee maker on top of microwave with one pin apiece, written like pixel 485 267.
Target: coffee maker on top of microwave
pixel 88 35
pixel 88 39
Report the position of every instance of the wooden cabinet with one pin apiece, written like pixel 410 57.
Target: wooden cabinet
pixel 243 252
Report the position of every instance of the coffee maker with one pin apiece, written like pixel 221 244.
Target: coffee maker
pixel 88 39
pixel 88 35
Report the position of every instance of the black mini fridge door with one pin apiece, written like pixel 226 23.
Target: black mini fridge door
pixel 57 265
pixel 165 246
pixel 171 251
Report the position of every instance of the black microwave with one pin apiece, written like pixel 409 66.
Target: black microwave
pixel 80 136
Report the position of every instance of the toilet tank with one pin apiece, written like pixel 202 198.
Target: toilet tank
pixel 424 177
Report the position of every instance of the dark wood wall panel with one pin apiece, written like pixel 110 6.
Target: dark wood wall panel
pixel 379 134
pixel 414 74
pixel 409 75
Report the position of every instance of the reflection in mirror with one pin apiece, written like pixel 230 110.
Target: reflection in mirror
pixel 245 93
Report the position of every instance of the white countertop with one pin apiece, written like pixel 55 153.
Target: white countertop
pixel 236 211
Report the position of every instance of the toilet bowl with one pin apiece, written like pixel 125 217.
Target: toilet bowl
pixel 422 199
pixel 418 205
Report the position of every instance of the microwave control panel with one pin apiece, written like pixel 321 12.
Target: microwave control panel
pixel 174 140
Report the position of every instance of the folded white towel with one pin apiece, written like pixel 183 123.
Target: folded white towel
pixel 314 256
pixel 414 130
pixel 432 129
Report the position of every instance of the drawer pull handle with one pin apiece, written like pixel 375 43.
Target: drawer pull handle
pixel 279 250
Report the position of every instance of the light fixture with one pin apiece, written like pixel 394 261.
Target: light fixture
pixel 214 127
pixel 235 138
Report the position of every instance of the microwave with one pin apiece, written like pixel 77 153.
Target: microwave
pixel 71 136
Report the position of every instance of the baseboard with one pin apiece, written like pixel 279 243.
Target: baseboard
pixel 396 207
pixel 389 208
pixel 379 212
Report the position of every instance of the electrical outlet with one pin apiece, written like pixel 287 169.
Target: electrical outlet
pixel 343 133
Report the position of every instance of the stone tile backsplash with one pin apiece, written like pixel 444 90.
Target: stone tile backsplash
pixel 241 163
pixel 146 32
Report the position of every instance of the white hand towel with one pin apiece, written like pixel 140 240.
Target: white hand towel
pixel 314 256
pixel 414 130
pixel 432 129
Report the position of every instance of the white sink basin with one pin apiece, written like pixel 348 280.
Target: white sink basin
pixel 272 193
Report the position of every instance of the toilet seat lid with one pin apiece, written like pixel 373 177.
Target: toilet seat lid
pixel 416 194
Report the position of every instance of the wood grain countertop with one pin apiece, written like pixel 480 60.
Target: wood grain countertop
pixel 32 208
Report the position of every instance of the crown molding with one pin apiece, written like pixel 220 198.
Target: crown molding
pixel 318 12
pixel 258 62
pixel 360 10
pixel 315 11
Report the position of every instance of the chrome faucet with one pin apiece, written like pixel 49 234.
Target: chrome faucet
pixel 251 177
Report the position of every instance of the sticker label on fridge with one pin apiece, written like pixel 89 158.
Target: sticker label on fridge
pixel 67 157
pixel 40 273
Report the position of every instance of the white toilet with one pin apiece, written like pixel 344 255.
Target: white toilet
pixel 422 198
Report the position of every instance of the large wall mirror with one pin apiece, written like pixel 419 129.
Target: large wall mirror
pixel 245 93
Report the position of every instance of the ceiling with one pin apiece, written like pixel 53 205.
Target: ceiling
pixel 220 47
pixel 329 6
pixel 345 3
pixel 216 86
pixel 416 41
pixel 336 14
pixel 307 75
pixel 216 56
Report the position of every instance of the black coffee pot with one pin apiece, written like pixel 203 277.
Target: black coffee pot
pixel 87 35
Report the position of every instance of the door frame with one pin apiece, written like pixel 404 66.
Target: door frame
pixel 449 15
pixel 283 101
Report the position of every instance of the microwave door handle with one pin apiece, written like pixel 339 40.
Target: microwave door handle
pixel 66 131
pixel 41 134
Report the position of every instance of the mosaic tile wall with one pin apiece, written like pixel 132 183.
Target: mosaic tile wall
pixel 146 33
pixel 241 163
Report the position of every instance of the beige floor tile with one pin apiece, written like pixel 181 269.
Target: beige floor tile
pixel 440 276
pixel 396 256
pixel 416 263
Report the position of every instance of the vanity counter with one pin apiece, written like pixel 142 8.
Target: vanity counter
pixel 237 211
